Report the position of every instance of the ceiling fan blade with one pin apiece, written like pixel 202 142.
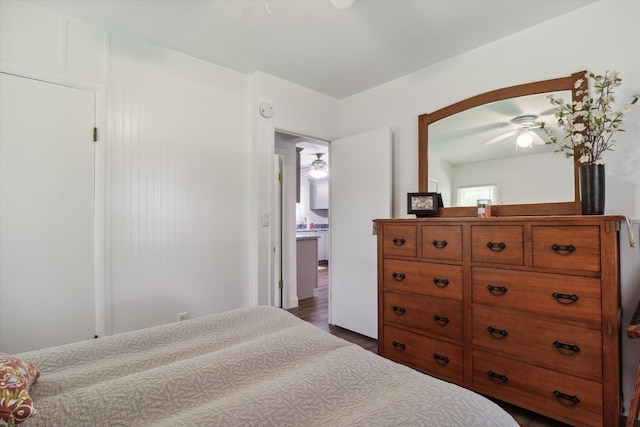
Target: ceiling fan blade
pixel 539 136
pixel 499 137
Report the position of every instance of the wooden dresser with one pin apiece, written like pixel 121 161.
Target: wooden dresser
pixel 523 309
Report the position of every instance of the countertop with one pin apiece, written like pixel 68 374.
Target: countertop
pixel 307 237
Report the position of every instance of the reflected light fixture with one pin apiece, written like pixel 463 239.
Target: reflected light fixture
pixel 319 167
pixel 524 139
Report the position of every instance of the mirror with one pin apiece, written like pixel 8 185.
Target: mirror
pixel 473 143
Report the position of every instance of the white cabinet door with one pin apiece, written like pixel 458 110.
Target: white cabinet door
pixel 360 191
pixel 47 286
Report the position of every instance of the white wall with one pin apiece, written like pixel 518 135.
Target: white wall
pixel 176 142
pixel 546 171
pixel 597 37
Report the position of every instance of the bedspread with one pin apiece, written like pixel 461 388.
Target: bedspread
pixel 258 366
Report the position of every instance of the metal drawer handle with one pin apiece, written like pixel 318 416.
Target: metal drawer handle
pixel 566 349
pixel 440 360
pixel 440 320
pixel 399 310
pixel 565 298
pixel 566 399
pixel 497 378
pixel 440 243
pixel 497 333
pixel 398 345
pixel 496 247
pixel 398 241
pixel 497 290
pixel 441 283
pixel 398 276
pixel 562 249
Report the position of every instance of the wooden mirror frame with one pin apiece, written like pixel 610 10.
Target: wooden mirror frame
pixel 424 120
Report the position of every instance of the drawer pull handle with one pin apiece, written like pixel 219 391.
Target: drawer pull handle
pixel 497 333
pixel 399 310
pixel 497 290
pixel 496 247
pixel 566 349
pixel 563 249
pixel 440 360
pixel 566 399
pixel 398 276
pixel 440 320
pixel 398 345
pixel 497 378
pixel 565 298
pixel 440 243
pixel 398 241
pixel 441 283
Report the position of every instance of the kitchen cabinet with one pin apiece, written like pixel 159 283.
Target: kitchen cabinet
pixel 323 245
pixel 322 236
pixel 307 265
pixel 319 194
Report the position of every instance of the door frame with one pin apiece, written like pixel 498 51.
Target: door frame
pixel 101 223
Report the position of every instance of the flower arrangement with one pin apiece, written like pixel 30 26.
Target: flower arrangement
pixel 589 123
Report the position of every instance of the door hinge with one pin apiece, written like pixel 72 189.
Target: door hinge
pixel 95 134
pixel 280 177
pixel 280 284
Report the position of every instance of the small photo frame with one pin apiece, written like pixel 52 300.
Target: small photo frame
pixel 423 204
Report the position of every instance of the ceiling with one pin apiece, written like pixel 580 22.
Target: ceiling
pixel 338 52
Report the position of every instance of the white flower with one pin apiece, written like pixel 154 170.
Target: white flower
pixel 589 123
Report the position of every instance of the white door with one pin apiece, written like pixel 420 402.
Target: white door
pixel 47 291
pixel 360 191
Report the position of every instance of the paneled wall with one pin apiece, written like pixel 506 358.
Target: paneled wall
pixel 175 139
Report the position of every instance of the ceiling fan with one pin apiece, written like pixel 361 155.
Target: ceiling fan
pixel 528 131
pixel 318 168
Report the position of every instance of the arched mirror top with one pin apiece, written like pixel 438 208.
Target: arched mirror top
pixel 508 94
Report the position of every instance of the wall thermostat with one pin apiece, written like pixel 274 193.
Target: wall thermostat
pixel 266 110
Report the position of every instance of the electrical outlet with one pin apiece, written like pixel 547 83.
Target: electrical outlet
pixel 183 316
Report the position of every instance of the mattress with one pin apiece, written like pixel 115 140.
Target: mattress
pixel 258 366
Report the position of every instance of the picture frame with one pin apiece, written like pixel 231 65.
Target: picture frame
pixel 424 204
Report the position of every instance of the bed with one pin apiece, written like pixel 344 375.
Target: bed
pixel 258 366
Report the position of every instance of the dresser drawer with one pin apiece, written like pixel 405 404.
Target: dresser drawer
pixel 440 280
pixel 432 356
pixel 400 240
pixel 541 390
pixel 555 345
pixel 573 247
pixel 566 297
pixel 497 244
pixel 428 314
pixel 443 242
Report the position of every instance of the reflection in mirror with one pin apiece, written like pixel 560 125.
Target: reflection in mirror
pixel 493 142
pixel 501 146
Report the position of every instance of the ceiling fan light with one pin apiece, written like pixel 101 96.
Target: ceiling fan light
pixel 524 139
pixel 318 173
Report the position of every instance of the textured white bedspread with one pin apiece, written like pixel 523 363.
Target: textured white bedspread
pixel 258 366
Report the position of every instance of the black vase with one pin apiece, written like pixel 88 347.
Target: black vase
pixel 592 189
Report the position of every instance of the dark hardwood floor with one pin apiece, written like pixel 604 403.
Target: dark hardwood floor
pixel 316 311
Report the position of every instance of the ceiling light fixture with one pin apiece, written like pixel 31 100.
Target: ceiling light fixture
pixel 319 167
pixel 524 139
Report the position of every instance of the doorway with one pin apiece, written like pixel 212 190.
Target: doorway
pixel 301 203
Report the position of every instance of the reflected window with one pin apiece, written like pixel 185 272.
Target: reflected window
pixel 468 196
